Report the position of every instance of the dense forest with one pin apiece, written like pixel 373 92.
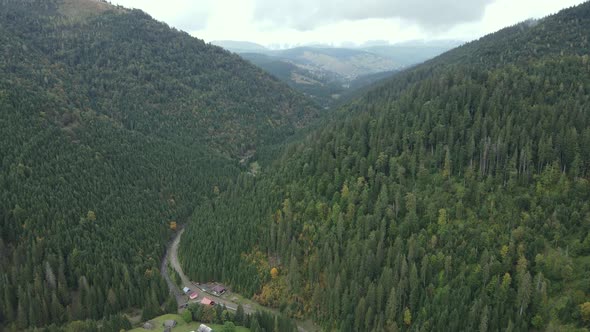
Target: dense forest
pixel 454 196
pixel 260 321
pixel 113 125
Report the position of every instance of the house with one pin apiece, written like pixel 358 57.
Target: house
pixel 193 295
pixel 169 323
pixel 207 301
pixel 186 290
pixel 204 328
pixel 219 289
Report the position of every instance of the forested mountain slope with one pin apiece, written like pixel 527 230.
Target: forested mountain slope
pixel 455 197
pixel 112 125
pixel 156 80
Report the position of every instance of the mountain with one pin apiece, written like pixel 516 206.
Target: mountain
pixel 113 125
pixel 210 95
pixel 347 63
pixel 240 46
pixel 325 75
pixel 452 197
pixel 331 75
pixel 325 87
pixel 407 54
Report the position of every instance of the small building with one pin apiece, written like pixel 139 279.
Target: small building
pixel 193 295
pixel 169 323
pixel 186 290
pixel 204 328
pixel 207 301
pixel 219 289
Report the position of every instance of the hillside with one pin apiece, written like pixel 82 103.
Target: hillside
pixel 169 78
pixel 113 125
pixel 347 63
pixel 407 54
pixel 453 197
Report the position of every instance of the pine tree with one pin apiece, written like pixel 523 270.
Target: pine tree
pixel 239 317
pixel 21 317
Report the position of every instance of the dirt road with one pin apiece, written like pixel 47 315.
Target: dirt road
pixel 174 290
pixel 173 259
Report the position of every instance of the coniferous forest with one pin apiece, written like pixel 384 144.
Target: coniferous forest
pixel 113 125
pixel 452 197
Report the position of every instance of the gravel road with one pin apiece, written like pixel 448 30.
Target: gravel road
pixel 174 290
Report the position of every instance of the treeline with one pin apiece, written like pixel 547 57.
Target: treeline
pixel 108 324
pixel 452 198
pixel 260 321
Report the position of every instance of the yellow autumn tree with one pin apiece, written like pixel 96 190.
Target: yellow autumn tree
pixel 274 273
pixel 585 311
pixel 504 251
pixel 91 216
pixel 407 317
pixel 345 191
pixel 173 225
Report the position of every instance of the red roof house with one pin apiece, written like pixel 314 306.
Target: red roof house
pixel 193 295
pixel 207 301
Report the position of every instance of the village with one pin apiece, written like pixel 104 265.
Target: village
pixel 213 289
pixel 189 292
pixel 206 294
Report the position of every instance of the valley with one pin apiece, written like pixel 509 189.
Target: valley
pixel 331 76
pixel 412 186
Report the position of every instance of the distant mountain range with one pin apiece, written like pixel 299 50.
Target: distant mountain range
pixel 328 74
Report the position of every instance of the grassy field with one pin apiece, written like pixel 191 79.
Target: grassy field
pixel 182 326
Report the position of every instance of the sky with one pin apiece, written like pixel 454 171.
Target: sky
pixel 288 23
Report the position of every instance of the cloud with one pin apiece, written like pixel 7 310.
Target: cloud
pixel 309 14
pixel 293 22
pixel 190 20
pixel 183 14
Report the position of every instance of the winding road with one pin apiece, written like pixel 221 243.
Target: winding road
pixel 174 290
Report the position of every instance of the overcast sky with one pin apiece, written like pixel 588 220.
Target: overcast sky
pixel 280 23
